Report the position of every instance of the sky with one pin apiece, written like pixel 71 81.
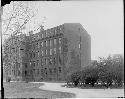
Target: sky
pixel 102 19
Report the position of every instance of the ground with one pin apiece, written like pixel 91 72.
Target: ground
pixel 84 93
pixel 31 90
pixel 56 90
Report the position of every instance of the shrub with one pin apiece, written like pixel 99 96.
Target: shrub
pixel 75 77
pixel 107 70
pixel 68 79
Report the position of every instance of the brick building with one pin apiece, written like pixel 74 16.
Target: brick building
pixel 51 54
pixel 14 53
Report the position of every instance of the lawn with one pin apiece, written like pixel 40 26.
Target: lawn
pixel 31 90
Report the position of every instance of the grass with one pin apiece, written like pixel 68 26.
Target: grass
pixel 31 90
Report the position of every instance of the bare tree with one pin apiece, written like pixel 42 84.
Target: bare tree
pixel 14 20
pixel 17 18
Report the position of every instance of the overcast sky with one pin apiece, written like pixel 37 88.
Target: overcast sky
pixel 102 19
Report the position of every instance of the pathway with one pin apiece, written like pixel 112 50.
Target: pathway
pixel 84 93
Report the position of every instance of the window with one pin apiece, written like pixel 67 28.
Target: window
pixel 60 40
pixel 54 70
pixel 42 35
pixel 54 41
pixel 38 53
pixel 55 31
pixel 50 70
pixel 54 50
pixel 48 32
pixel 50 61
pixel 60 49
pixel 37 63
pixel 60 61
pixel 46 71
pixel 42 44
pixel 10 72
pixel 61 31
pixel 34 64
pixel 45 34
pixel 38 71
pixel 37 45
pixel 79 46
pixel 46 61
pixel 46 52
pixel 33 46
pixel 46 43
pixel 54 60
pixel 25 65
pixel 30 55
pixel 59 69
pixel 50 43
pixel 33 71
pixel 38 36
pixel 42 62
pixel 18 73
pixel 30 63
pixel 50 51
pixel 25 73
pixel 41 71
pixel 34 54
pixel 42 53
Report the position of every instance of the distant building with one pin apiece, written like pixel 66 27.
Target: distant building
pixel 50 54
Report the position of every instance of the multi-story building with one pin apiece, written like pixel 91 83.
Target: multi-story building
pixel 14 53
pixel 53 53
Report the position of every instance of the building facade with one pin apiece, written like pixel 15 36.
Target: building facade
pixel 51 54
pixel 14 53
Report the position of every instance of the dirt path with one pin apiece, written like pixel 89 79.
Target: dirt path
pixel 84 93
